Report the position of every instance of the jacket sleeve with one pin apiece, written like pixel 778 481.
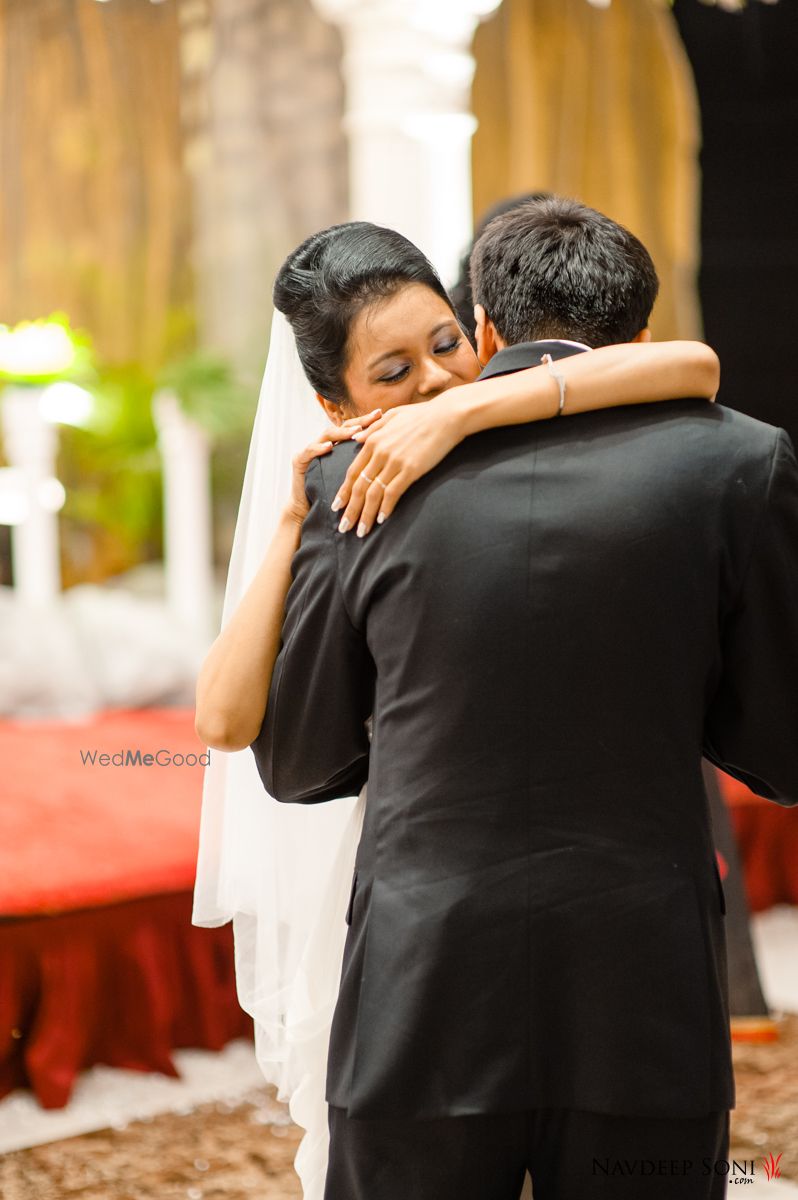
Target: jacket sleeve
pixel 751 731
pixel 313 744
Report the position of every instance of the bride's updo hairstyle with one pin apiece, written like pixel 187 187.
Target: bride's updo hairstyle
pixel 330 278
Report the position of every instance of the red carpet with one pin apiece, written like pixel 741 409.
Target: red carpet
pixel 99 961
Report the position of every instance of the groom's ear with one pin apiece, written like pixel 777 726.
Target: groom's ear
pixel 332 410
pixel 487 339
pixel 643 336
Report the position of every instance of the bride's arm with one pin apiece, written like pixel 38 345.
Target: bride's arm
pixel 233 682
pixel 234 679
pixel 407 442
pixel 610 377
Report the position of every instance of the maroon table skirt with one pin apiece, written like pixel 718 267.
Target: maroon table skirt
pixel 124 985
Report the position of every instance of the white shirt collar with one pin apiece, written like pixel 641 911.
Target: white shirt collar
pixel 565 342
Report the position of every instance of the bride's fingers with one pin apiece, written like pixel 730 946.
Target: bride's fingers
pixel 374 501
pixel 359 489
pixel 306 456
pixel 364 434
pixel 356 467
pixel 393 493
pixel 353 424
pixel 344 432
pixel 340 433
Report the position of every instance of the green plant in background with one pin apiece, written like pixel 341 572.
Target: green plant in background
pixel 111 466
pixel 108 458
pixel 211 393
pixel 111 470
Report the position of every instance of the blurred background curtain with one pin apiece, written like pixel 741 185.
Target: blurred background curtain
pixel 158 163
pixel 598 104
pixel 94 214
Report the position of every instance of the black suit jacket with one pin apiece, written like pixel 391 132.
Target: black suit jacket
pixel 551 628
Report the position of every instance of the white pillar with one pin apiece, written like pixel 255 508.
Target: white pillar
pixel 408 70
pixel 30 443
pixel 188 561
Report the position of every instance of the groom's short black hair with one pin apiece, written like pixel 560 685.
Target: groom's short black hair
pixel 554 268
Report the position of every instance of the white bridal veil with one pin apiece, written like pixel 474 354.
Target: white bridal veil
pixel 281 872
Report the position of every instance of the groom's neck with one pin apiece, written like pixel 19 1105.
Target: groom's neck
pixel 536 346
pixel 521 355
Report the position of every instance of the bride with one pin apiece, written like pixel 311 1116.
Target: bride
pixel 364 329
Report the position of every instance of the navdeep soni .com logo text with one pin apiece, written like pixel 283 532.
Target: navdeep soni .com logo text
pixel 140 758
pixel 737 1171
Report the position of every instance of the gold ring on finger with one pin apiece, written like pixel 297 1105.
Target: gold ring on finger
pixel 367 477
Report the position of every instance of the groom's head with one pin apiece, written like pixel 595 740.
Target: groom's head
pixel 554 268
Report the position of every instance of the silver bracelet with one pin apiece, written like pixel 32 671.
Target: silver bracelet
pixel 549 361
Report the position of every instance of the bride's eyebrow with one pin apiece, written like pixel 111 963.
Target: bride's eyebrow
pixel 375 362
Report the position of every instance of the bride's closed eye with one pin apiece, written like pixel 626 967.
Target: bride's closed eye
pixel 395 377
pixel 447 347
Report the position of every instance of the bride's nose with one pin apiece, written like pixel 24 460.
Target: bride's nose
pixel 434 377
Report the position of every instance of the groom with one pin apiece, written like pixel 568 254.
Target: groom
pixel 550 631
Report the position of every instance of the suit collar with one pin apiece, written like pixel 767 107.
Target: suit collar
pixel 529 354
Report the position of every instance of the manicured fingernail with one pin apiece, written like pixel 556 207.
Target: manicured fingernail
pixel 359 437
pixel 361 529
pixel 381 518
pixel 337 504
pixel 344 525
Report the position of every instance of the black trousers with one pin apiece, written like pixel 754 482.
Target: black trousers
pixel 570 1155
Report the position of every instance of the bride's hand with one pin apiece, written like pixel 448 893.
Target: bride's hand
pixel 297 507
pixel 398 448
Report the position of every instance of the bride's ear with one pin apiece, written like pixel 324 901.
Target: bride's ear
pixel 332 410
pixel 643 336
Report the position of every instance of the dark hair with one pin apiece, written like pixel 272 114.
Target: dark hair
pixel 555 268
pixel 323 285
pixel 460 292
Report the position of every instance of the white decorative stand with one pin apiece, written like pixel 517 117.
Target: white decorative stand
pixel 408 70
pixel 188 557
pixel 30 443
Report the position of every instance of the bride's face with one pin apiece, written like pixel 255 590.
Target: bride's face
pixel 403 349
